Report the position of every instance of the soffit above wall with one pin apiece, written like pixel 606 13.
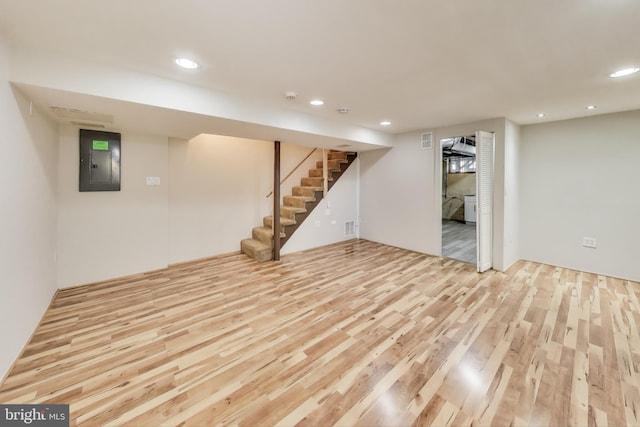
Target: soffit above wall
pixel 418 63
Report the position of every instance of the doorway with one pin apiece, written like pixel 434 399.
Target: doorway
pixel 459 198
pixel 467 198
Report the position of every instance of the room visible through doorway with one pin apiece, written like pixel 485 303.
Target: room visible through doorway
pixel 459 198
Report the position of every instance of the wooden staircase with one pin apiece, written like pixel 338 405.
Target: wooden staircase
pixel 296 207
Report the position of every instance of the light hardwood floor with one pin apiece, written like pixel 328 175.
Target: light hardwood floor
pixel 355 333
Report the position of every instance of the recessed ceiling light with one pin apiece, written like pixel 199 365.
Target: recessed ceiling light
pixel 385 123
pixel 317 102
pixel 187 63
pixel 540 115
pixel 625 72
pixel 591 107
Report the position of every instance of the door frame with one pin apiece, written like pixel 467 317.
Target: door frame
pixel 438 188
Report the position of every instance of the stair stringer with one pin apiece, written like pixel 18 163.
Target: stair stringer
pixel 310 206
pixel 327 223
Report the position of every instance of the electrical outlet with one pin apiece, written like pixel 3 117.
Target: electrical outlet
pixel 589 242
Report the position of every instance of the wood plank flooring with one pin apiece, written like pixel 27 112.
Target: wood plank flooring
pixel 356 333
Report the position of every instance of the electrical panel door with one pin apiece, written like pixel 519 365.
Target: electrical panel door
pixel 99 160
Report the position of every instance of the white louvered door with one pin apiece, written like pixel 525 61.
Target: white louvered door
pixel 484 199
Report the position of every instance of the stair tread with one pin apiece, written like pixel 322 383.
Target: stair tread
pixel 268 230
pixel 283 221
pixel 309 186
pixel 311 181
pixel 256 250
pixel 319 171
pixel 305 198
pixel 255 244
pixel 293 209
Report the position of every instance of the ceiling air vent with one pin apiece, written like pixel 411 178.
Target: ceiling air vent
pixel 427 141
pixel 71 114
pixel 87 124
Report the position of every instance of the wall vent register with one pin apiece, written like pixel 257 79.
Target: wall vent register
pixel 99 160
pixel 349 228
pixel 426 141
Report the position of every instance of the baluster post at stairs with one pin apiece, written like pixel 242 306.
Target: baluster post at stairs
pixel 276 201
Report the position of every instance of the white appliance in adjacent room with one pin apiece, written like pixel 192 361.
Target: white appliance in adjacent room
pixel 470 209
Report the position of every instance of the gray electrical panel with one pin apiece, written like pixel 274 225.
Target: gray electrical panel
pixel 99 160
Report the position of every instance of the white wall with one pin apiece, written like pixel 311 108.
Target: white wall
pixel 396 195
pixel 218 192
pixel 107 234
pixel 29 144
pixel 402 189
pixel 579 178
pixel 511 193
pixel 326 223
pixel 213 192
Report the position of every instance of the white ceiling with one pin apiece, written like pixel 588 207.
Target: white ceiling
pixel 419 63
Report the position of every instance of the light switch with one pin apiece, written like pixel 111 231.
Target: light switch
pixel 153 180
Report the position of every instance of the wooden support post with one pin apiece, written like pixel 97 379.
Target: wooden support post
pixel 276 201
pixel 325 173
